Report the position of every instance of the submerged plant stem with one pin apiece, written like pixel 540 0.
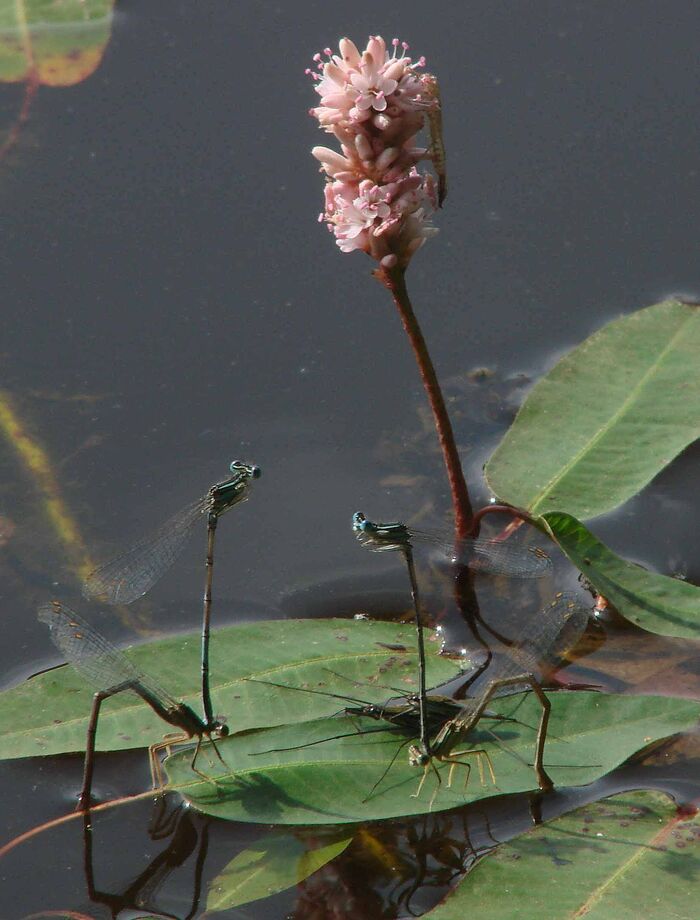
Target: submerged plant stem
pixel 394 280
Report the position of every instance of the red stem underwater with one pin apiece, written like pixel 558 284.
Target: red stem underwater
pixel 30 88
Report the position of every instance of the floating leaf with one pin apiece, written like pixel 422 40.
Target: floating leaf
pixel 48 714
pixel 274 863
pixel 332 782
pixel 656 602
pixel 624 858
pixel 53 43
pixel 607 418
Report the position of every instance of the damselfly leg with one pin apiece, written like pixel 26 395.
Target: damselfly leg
pixel 133 573
pixel 106 667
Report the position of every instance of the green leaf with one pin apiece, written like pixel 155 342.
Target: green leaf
pixel 274 863
pixel 607 418
pixel 53 43
pixel 332 782
pixel 48 714
pixel 656 602
pixel 624 858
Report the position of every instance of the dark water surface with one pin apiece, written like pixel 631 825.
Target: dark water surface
pixel 169 303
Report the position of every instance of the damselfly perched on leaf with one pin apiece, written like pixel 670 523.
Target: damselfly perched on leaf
pixel 133 573
pixel 111 672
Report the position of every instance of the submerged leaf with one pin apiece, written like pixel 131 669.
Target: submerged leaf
pixel 274 863
pixel 48 714
pixel 656 602
pixel 53 44
pixel 332 781
pixel 624 858
pixel 607 418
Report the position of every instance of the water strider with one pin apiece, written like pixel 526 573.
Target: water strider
pixel 546 638
pixel 487 556
pixel 111 672
pixel 133 573
pixel 401 710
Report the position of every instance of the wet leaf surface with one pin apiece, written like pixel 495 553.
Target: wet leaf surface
pixel 48 714
pixel 331 782
pixel 607 418
pixel 626 857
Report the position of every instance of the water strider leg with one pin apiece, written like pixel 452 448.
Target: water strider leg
pixel 543 780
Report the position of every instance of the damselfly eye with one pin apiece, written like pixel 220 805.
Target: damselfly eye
pixel 255 472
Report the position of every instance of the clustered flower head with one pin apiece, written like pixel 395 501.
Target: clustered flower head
pixel 375 103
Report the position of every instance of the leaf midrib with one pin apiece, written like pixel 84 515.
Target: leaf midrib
pixel 557 478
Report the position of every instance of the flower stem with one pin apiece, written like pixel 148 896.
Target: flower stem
pixel 394 280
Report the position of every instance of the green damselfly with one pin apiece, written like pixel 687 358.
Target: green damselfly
pixel 108 669
pixel 131 574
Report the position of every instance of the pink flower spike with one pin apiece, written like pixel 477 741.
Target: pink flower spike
pixel 375 104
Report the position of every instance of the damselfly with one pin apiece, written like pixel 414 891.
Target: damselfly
pixel 488 557
pixel 133 573
pixel 111 672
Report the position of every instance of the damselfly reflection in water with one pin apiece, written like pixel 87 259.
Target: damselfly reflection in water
pixel 133 573
pixel 111 672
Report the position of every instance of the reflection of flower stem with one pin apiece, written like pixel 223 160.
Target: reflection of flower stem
pixel 30 87
pixel 394 280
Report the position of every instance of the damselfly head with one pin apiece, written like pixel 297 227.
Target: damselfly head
pixel 219 727
pixel 239 466
pixel 380 537
pixel 359 522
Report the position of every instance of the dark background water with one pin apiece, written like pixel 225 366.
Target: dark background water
pixel 160 254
